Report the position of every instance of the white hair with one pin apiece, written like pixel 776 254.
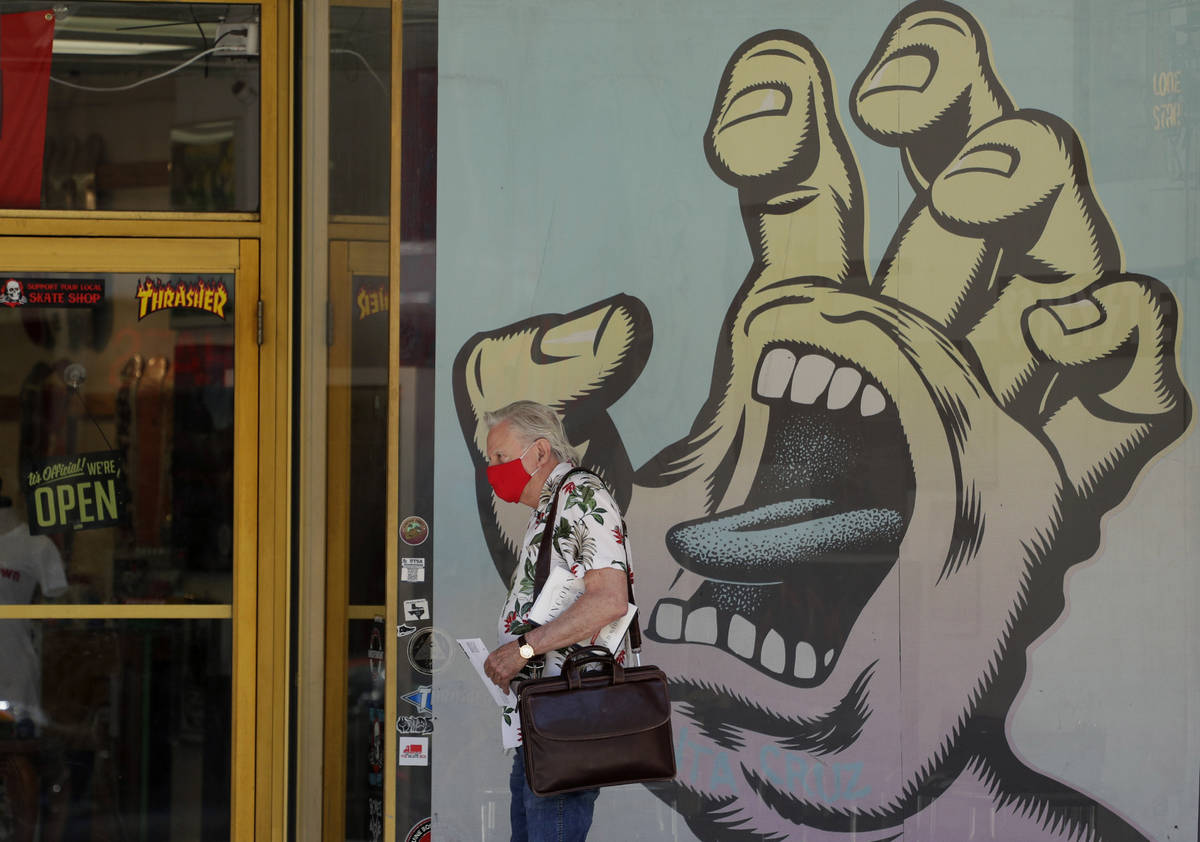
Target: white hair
pixel 532 421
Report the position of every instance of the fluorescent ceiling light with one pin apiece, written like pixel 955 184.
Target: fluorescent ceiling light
pixel 130 26
pixel 80 47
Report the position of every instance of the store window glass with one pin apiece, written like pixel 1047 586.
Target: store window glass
pixel 129 106
pixel 426 650
pixel 116 495
pixel 358 305
pixel 118 424
pixel 362 299
pixel 114 729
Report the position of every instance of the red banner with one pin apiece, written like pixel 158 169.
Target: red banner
pixel 26 42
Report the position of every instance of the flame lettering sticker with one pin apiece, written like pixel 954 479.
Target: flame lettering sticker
pixel 154 294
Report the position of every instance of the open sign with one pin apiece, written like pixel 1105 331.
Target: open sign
pixel 86 491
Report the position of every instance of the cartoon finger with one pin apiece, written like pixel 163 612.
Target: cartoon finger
pixel 1122 399
pixel 1022 190
pixel 1114 347
pixel 1022 184
pixel 929 85
pixel 578 363
pixel 775 135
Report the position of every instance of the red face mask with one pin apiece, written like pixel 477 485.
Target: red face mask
pixel 509 479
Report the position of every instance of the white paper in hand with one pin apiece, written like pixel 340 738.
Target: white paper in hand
pixel 477 653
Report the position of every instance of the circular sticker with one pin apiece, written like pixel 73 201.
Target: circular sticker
pixel 422 831
pixel 429 650
pixel 414 530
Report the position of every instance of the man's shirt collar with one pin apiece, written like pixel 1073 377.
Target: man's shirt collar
pixel 552 483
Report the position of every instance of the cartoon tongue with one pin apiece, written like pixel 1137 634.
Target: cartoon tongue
pixel 832 489
pixel 765 544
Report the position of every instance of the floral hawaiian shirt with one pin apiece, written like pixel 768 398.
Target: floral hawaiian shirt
pixel 589 535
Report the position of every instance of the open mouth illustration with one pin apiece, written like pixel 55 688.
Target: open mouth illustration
pixel 789 571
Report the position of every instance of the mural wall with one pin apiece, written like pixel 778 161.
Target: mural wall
pixel 860 491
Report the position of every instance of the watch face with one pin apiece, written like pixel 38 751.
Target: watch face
pixel 526 651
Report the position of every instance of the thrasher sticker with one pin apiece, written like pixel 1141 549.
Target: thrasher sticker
pixel 155 294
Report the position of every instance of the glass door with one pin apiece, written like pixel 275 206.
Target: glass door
pixel 128 518
pixel 355 547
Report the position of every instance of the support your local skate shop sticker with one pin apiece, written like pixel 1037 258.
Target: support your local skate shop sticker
pixel 52 292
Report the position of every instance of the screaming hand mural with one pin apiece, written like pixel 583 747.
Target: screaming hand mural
pixel 890 472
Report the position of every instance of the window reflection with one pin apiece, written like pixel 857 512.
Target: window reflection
pixel 131 737
pixel 116 436
pixel 130 106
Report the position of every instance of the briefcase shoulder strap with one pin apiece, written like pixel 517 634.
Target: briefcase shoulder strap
pixel 542 572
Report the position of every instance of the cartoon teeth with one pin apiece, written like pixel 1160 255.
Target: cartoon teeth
pixel 811 377
pixel 669 620
pixel 843 386
pixel 775 372
pixel 806 660
pixel 740 637
pixel 872 402
pixel 701 626
pixel 807 379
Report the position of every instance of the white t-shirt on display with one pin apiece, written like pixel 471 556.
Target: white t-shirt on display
pixel 27 562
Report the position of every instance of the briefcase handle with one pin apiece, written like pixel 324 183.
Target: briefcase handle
pixel 590 655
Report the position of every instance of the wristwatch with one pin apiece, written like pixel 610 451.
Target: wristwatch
pixel 525 649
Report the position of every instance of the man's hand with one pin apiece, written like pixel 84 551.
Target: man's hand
pixel 503 664
pixel 605 598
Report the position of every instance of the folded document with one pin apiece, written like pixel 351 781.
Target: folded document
pixel 559 593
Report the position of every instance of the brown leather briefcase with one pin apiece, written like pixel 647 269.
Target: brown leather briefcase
pixel 584 730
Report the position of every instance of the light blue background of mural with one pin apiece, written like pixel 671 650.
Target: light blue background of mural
pixel 570 168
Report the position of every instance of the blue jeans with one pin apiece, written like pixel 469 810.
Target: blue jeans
pixel 553 818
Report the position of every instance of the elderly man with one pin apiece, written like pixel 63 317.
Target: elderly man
pixel 528 456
